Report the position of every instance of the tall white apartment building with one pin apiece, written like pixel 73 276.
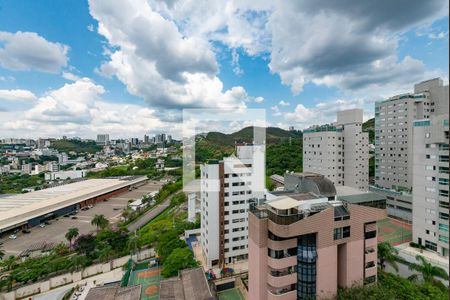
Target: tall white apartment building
pixel 340 151
pixel 226 187
pixel 430 183
pixel 103 139
pixel 394 120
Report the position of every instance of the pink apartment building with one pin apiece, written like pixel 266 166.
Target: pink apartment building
pixel 304 244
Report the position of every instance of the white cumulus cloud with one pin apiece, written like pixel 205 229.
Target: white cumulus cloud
pixel 25 51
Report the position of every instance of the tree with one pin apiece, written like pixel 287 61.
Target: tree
pixel 427 270
pixel 387 255
pixel 105 253
pixel 85 244
pixel 10 263
pixel 167 243
pixel 179 259
pixel 2 253
pixel 100 221
pixel 71 234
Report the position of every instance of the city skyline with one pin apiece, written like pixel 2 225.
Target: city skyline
pixel 81 73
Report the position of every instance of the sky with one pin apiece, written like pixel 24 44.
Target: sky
pixel 129 68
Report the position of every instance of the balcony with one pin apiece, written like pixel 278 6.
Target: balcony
pixel 371 271
pixel 371 256
pixel 281 245
pixel 287 293
pixel 281 263
pixel 287 278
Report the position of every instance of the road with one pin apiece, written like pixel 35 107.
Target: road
pixel 150 215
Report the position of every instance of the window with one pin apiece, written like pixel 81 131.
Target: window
pixel 443 238
pixel 443 181
pixel 443 216
pixel 443 170
pixel 443 227
pixel 430 245
pixel 341 233
pixel 443 193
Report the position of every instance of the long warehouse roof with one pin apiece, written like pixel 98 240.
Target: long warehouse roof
pixel 23 207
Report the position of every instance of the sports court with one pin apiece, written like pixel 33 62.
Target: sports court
pixel 231 294
pixel 394 231
pixel 149 279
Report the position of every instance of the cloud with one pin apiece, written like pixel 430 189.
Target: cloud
pixel 343 42
pixel 275 111
pixel 157 62
pixel 284 103
pixel 235 63
pixel 24 51
pixel 78 109
pixel 70 76
pixel 17 95
pixel 259 99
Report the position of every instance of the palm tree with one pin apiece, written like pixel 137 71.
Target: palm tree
pixel 10 263
pixel 387 255
pixel 427 270
pixel 71 234
pixel 100 221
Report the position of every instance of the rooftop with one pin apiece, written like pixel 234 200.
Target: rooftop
pixel 191 284
pixel 22 207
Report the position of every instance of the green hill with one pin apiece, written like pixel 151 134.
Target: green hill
pixel 283 151
pixel 75 145
pixel 369 126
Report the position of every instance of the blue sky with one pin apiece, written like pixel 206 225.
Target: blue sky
pixel 80 68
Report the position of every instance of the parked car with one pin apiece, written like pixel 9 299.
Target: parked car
pixel 26 230
pixel 74 217
pixel 42 225
pixel 47 223
pixel 13 237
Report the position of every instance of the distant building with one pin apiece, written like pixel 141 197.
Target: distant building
pixel 169 139
pixel 102 139
pixel 134 141
pixel 146 139
pixel 63 175
pixel 394 142
pixel 340 152
pixel 27 168
pixel 39 169
pixel 226 188
pixel 307 241
pixel 52 166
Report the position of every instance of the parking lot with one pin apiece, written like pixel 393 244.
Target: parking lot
pixel 54 233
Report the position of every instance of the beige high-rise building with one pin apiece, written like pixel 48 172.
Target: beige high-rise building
pixel 340 151
pixel 394 121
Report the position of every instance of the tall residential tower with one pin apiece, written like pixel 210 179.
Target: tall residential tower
pixel 394 147
pixel 340 151
pixel 226 187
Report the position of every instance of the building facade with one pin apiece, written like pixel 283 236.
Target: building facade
pixel 394 120
pixel 226 187
pixel 102 139
pixel 304 245
pixel 340 152
pixel 430 181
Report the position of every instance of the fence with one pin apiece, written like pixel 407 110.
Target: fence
pixel 73 277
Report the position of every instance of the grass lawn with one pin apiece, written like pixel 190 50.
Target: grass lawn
pixel 394 232
pixel 231 294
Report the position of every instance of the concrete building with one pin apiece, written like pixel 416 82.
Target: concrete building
pixel 394 120
pixel 430 181
pixel 102 139
pixel 27 168
pixel 31 209
pixel 63 175
pixel 52 166
pixel 226 187
pixel 340 152
pixel 304 245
